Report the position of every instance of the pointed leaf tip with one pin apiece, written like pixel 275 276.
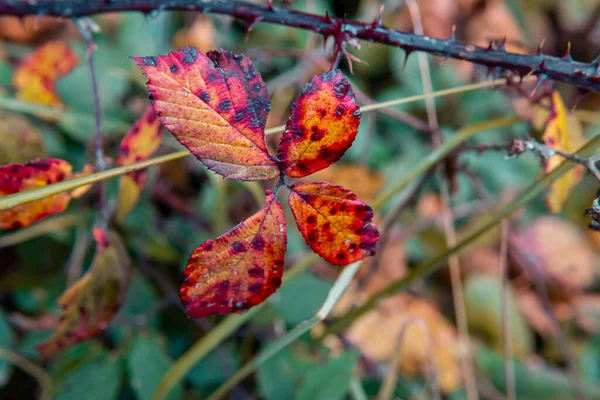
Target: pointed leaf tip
pixel 218 113
pixel 239 269
pixel 333 221
pixel 322 126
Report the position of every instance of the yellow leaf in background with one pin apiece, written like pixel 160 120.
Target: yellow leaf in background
pixel 36 75
pixel 139 144
pixel 376 335
pixel 129 194
pixel 563 132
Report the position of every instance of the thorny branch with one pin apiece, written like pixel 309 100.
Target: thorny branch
pixel 586 76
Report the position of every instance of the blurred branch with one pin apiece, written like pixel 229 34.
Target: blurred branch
pixel 546 152
pixel 495 56
pixel 429 267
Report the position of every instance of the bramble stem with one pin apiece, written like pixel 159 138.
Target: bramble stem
pixel 565 69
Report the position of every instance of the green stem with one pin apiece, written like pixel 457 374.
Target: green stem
pixel 27 196
pixel 335 293
pixel 12 104
pixel 429 267
pixel 216 336
pixel 440 152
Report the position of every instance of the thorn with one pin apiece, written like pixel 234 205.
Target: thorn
pixel 269 6
pixel 250 24
pixel 490 46
pixel 540 46
pixel 453 36
pixel 578 97
pixel 567 56
pixel 408 53
pixel 502 44
pixel 377 22
pixel 328 17
pixel 541 79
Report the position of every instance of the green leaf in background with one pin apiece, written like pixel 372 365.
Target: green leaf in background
pixel 293 305
pixel 483 301
pixel 277 377
pixel 142 36
pixel 535 382
pixel 147 363
pixel 7 339
pixel 100 379
pixel 6 71
pixel 328 381
pixel 216 367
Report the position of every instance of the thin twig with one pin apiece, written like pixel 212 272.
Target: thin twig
pixel 509 368
pixel 86 26
pixel 44 380
pixel 545 152
pixel 466 358
pixel 386 391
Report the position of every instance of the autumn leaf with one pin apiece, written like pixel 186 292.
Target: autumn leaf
pixel 322 126
pixel 139 144
pixel 91 302
pixel 333 221
pixel 16 178
pixel 563 132
pixel 239 269
pixel 36 75
pixel 218 113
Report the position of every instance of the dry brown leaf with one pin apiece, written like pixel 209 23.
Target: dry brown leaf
pixel 560 252
pixel 533 310
pixel 29 29
pixel 200 34
pixel 20 141
pixel 363 181
pixel 376 335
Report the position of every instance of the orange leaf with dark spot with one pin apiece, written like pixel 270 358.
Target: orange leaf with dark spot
pixel 91 302
pixel 322 126
pixel 16 178
pixel 239 269
pixel 139 144
pixel 218 113
pixel 36 75
pixel 333 221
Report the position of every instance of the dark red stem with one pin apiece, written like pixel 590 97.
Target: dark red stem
pixel 584 75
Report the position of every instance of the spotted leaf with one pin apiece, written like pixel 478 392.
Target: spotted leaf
pixel 563 132
pixel 16 178
pixel 139 144
pixel 333 221
pixel 239 269
pixel 91 302
pixel 35 76
pixel 218 112
pixel 322 126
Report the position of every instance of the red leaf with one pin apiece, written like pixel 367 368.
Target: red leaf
pixel 333 221
pixel 218 113
pixel 322 126
pixel 91 302
pixel 139 144
pixel 239 269
pixel 16 178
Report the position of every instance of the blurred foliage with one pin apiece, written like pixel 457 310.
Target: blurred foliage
pixel 182 206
